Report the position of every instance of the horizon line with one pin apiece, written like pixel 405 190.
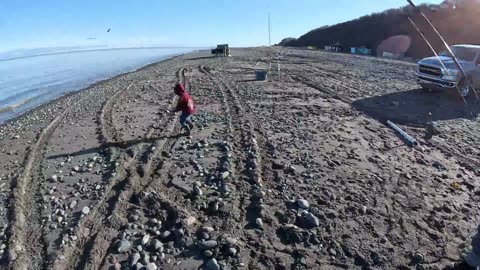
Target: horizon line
pixel 100 49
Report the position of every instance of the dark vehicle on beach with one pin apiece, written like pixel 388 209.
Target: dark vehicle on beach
pixel 221 50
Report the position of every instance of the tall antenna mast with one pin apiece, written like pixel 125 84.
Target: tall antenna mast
pixel 269 30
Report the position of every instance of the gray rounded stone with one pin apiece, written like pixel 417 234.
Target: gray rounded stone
pixel 157 245
pixel 134 259
pixel 311 220
pixel 145 239
pixel 208 253
pixel 123 246
pixel 210 244
pixel 303 203
pixel 85 210
pixel 232 251
pixel 212 264
pixel 151 266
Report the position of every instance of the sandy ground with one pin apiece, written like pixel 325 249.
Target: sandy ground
pixel 296 172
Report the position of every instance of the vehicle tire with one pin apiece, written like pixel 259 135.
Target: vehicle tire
pixel 465 88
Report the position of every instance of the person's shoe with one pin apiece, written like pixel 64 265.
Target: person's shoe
pixel 187 131
pixel 191 125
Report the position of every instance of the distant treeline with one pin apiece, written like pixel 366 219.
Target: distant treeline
pixel 458 21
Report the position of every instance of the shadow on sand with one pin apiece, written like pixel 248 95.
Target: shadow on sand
pixel 200 58
pixel 124 144
pixel 416 107
pixel 247 80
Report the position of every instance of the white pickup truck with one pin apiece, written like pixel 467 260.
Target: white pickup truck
pixel 441 73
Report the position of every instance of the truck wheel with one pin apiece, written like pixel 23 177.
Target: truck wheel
pixel 465 88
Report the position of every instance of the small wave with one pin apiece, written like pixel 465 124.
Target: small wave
pixel 13 107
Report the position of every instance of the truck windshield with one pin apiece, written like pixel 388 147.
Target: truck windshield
pixel 467 54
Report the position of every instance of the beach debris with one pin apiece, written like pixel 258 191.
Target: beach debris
pixel 456 185
pixel 411 141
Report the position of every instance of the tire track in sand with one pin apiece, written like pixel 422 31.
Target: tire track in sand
pixel 91 223
pixel 24 205
pixel 254 208
pixel 108 130
pixel 111 217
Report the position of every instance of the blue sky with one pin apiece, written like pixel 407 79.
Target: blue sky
pixel 26 24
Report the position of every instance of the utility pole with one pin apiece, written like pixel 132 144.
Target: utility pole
pixel 269 30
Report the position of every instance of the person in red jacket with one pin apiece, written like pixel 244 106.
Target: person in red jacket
pixel 186 106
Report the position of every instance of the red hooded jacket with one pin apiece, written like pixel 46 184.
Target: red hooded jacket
pixel 185 103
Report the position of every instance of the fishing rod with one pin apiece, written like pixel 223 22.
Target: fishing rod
pixel 455 60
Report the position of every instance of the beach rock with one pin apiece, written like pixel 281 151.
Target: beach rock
pixel 85 210
pixel 151 266
pixel 231 241
pixel 166 234
pixel 146 259
pixel 134 259
pixel 134 218
pixel 123 246
pixel 145 239
pixel 72 204
pixel 418 258
pixel 208 229
pixel 332 252
pixel 209 244
pixel 212 264
pixel 53 178
pixel 225 175
pixel 232 251
pixel 303 203
pixel 207 253
pixel 259 222
pixel 197 191
pixel 12 255
pixel 157 245
pixel 311 220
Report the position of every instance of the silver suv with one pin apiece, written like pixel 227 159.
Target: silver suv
pixel 432 75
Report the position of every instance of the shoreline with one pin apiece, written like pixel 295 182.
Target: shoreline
pixel 91 50
pixel 298 159
pixel 73 93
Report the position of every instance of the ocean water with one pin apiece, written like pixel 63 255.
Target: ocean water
pixel 31 81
